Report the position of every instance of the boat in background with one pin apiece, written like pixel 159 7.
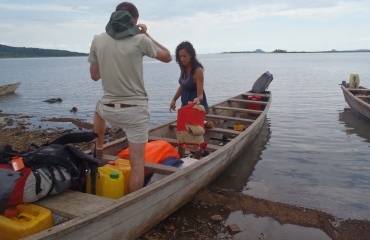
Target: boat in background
pixel 9 88
pixel 129 217
pixel 357 97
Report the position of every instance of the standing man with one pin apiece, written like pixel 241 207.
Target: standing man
pixel 116 57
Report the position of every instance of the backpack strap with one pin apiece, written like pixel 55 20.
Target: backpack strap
pixel 36 173
pixel 75 138
pixel 92 162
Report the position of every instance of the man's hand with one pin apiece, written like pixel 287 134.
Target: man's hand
pixel 142 27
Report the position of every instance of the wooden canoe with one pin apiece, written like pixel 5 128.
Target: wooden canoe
pixel 358 99
pixel 129 217
pixel 9 88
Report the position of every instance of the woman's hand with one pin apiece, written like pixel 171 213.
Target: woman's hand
pixel 173 105
pixel 196 101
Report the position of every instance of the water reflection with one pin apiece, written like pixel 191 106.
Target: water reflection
pixel 237 174
pixel 236 178
pixel 8 98
pixel 355 124
pixel 253 227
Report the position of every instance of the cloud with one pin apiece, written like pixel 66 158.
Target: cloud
pixel 212 26
pixel 6 25
pixel 40 7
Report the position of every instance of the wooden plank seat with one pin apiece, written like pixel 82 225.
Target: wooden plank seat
pixel 215 130
pixel 247 101
pixel 244 110
pixel 230 118
pixel 151 167
pixel 359 96
pixel 255 94
pixel 223 131
pixel 72 204
pixel 209 148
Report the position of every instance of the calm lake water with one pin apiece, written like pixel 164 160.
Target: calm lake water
pixel 313 151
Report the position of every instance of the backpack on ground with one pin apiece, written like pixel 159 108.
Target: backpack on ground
pixel 262 83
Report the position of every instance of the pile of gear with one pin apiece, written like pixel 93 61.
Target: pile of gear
pixel 49 169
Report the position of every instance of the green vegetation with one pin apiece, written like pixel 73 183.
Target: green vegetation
pixel 23 52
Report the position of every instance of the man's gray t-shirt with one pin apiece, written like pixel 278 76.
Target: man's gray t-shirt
pixel 121 67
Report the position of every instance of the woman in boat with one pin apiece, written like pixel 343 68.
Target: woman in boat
pixel 191 77
pixel 191 82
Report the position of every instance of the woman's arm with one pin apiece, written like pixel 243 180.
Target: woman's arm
pixel 199 80
pixel 177 95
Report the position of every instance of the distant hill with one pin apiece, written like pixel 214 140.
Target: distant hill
pixel 285 51
pixel 23 52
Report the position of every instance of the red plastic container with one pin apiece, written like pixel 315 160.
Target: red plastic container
pixel 253 106
pixel 189 115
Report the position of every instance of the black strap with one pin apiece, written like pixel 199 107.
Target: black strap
pixel 38 180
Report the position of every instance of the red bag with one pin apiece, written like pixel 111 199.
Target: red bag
pixel 254 106
pixel 190 127
pixel 22 186
pixel 189 115
pixel 12 185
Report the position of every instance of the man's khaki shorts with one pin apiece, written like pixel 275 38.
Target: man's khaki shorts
pixel 135 121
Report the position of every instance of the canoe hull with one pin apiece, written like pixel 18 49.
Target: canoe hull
pixel 9 88
pixel 134 214
pixel 358 100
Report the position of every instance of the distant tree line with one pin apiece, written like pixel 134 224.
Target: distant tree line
pixel 279 51
pixel 285 51
pixel 22 52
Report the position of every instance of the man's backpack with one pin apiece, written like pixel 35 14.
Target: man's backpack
pixel 49 169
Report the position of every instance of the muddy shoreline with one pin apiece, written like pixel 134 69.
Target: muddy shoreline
pixel 216 203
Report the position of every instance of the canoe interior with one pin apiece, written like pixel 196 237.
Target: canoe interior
pixel 224 115
pixel 95 217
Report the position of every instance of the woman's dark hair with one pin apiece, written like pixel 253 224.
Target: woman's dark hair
pixel 129 7
pixel 188 47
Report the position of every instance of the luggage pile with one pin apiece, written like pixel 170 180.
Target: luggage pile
pixel 49 169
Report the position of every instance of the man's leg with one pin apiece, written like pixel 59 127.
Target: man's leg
pixel 137 152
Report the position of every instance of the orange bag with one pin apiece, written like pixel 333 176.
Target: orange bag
pixel 155 152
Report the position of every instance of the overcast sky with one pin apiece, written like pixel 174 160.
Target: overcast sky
pixel 213 26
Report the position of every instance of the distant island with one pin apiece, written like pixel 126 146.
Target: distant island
pixel 285 51
pixel 23 52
